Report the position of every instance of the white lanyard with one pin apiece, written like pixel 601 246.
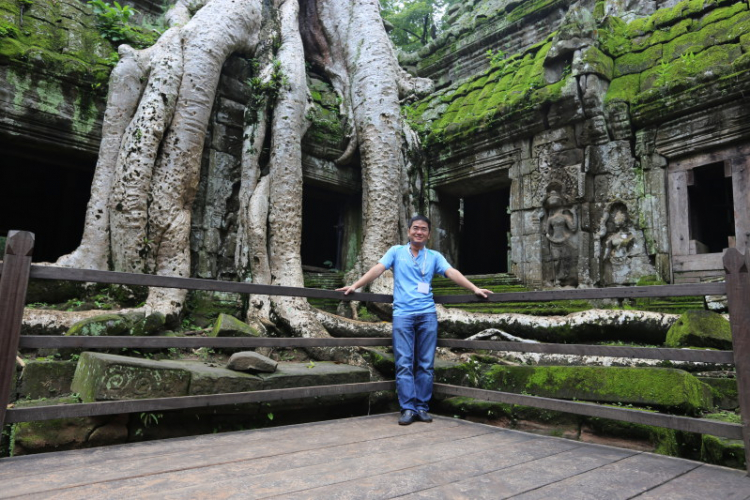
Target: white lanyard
pixel 414 259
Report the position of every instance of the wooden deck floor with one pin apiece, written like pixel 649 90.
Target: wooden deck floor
pixel 367 457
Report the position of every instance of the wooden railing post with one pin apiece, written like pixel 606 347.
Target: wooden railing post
pixel 13 284
pixel 738 298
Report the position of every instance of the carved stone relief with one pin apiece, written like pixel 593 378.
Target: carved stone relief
pixel 560 227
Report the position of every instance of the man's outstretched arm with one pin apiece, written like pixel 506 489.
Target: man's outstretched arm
pixel 370 276
pixel 456 277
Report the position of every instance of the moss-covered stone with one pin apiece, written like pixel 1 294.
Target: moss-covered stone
pixel 700 329
pixel 637 62
pixel 723 451
pixel 724 390
pixel 594 61
pixel 101 377
pixel 104 325
pixel 229 326
pixel 65 433
pixel 46 379
pixel 149 325
pixel 662 388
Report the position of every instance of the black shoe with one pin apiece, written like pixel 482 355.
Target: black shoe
pixel 423 416
pixel 407 417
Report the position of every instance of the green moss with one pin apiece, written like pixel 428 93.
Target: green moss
pixel 657 387
pixel 724 392
pixel 722 13
pixel 597 62
pixel 722 451
pixel 624 88
pixel 106 324
pixel 461 406
pixel 637 62
pixel 700 329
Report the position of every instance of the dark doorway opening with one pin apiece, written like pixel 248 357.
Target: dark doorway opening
pixel 711 208
pixel 485 227
pixel 49 199
pixel 322 227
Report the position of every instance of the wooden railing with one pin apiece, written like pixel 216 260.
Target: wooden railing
pixel 16 270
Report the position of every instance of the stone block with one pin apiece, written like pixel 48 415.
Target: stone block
pixel 46 379
pixel 102 377
pixel 561 138
pixel 725 392
pixel 700 328
pixel 251 361
pixel 315 373
pixel 229 326
pixel 205 379
pixel 148 325
pixel 227 139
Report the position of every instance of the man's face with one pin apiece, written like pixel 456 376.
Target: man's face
pixel 419 232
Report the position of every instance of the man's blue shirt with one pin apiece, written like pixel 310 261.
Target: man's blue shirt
pixel 408 273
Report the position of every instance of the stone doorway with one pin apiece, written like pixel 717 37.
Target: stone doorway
pixel 484 233
pixel 711 208
pixel 709 211
pixel 47 197
pixel 323 217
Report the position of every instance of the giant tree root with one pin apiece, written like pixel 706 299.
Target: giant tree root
pixel 587 326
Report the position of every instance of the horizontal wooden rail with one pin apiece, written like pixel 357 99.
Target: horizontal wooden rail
pixel 623 292
pixel 112 277
pixel 57 342
pixel 687 424
pixel 692 355
pixel 185 402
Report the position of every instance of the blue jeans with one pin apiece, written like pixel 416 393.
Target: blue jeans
pixel 414 342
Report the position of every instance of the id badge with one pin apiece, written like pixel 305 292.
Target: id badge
pixel 423 287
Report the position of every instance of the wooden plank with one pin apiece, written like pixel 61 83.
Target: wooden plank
pixel 182 402
pixel 691 355
pixel 252 452
pixel 737 268
pixel 92 276
pixel 13 283
pixel 292 483
pixel 373 427
pixel 679 213
pixel 57 342
pixel 472 469
pixel 529 475
pixel 741 198
pixel 732 431
pixel 619 480
pixel 706 481
pixel 702 262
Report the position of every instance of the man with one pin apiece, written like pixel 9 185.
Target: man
pixel 414 316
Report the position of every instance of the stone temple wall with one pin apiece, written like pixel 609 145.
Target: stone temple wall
pixel 597 129
pixel 594 123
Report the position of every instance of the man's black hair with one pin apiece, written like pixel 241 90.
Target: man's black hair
pixel 423 219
